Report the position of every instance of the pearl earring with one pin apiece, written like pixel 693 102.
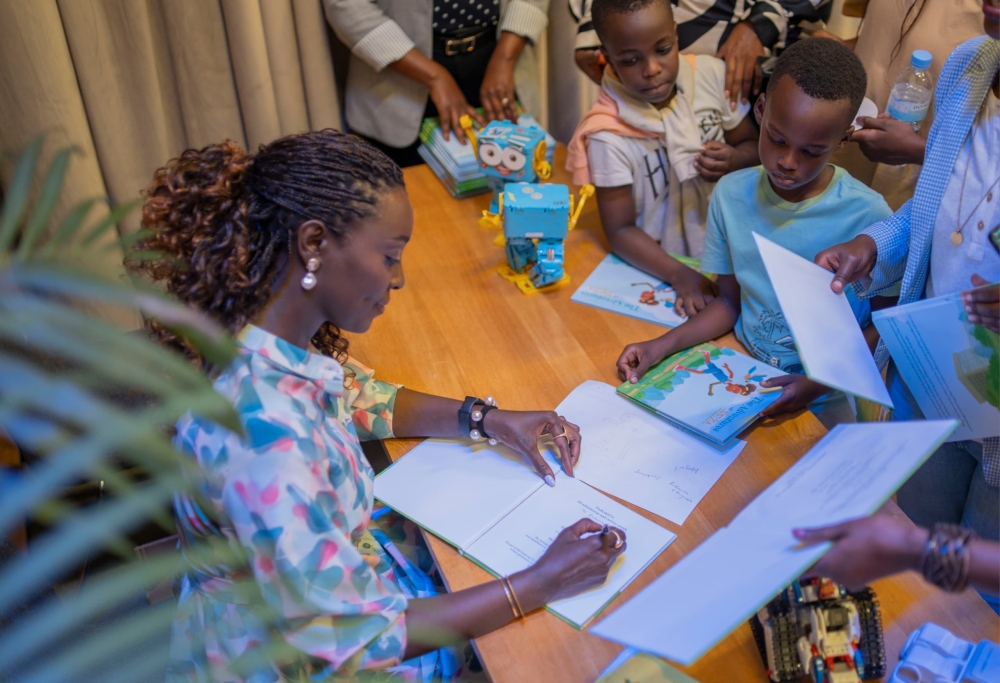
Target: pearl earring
pixel 309 280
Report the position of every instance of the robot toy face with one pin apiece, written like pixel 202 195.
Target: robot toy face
pixel 507 150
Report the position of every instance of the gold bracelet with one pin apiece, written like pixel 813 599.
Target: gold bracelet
pixel 510 600
pixel 514 595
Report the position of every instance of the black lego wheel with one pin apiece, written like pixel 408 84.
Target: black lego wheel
pixel 872 644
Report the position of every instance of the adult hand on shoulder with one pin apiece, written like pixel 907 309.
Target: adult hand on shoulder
pixel 637 358
pixel 885 140
pixel 450 103
pixel 715 160
pixel 694 291
pixel 849 261
pixel 574 563
pixel 797 391
pixel 521 430
pixel 865 549
pixel 591 61
pixel 983 304
pixel 740 52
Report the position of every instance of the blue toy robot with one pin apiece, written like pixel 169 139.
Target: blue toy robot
pixel 508 152
pixel 536 219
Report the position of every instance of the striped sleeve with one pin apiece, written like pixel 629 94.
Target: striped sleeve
pixel 383 45
pixel 586 36
pixel 526 18
pixel 769 21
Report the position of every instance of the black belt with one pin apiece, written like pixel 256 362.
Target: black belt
pixel 452 45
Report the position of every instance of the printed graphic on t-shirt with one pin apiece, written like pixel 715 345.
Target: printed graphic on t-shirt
pixel 710 125
pixel 658 172
pixel 772 342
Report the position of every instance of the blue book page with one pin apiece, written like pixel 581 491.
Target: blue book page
pixel 618 287
pixel 709 390
pixel 951 366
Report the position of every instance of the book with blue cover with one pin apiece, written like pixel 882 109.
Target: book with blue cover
pixel 618 287
pixel 708 390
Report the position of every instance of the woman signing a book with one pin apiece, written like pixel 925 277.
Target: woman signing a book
pixel 306 579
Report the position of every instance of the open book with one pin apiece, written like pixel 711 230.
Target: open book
pixel 711 391
pixel 487 502
pixel 951 366
pixel 850 473
pixel 618 287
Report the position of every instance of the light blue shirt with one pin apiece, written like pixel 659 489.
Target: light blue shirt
pixel 743 203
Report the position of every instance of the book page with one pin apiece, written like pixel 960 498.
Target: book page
pixel 951 366
pixel 720 585
pixel 459 489
pixel 830 343
pixel 713 391
pixel 632 454
pixel 519 539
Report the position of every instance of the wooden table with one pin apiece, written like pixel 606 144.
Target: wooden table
pixel 458 329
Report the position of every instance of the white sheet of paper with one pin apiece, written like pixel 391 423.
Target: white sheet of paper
pixel 851 472
pixel 830 342
pixel 520 538
pixel 483 482
pixel 634 455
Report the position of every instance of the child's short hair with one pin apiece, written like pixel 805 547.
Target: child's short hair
pixel 824 69
pixel 600 10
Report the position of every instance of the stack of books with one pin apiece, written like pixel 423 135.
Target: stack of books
pixel 456 164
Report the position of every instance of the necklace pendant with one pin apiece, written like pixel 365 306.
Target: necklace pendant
pixel 956 238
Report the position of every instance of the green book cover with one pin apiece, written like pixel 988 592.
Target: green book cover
pixel 708 390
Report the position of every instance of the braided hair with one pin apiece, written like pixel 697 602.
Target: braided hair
pixel 226 220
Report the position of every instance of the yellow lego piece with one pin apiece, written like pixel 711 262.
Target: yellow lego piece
pixel 523 282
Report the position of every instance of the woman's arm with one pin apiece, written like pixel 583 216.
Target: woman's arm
pixel 417 414
pixel 869 548
pixel 579 559
pixel 638 249
pixel 443 90
pixel 715 320
pixel 497 88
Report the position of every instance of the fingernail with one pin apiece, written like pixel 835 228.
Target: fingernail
pixel 634 379
pixel 968 309
pixel 550 480
pixel 798 533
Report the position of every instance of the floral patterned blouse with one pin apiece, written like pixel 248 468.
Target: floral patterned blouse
pixel 295 500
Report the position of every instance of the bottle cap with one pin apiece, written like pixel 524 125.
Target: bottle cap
pixel 921 59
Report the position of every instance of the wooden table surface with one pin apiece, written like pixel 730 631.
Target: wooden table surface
pixel 458 329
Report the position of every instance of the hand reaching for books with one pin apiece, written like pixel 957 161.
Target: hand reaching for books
pixel 798 391
pixel 638 358
pixel 451 104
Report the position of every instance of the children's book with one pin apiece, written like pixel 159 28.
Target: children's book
pixel 951 366
pixel 618 287
pixel 491 505
pixel 711 391
pixel 715 588
pixel 632 666
pixel 829 340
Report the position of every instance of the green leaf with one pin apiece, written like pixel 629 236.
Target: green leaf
pixel 114 217
pixel 45 203
pixel 16 195
pixel 68 227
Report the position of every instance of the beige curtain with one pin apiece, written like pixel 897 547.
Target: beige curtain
pixel 132 83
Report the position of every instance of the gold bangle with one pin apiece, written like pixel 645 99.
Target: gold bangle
pixel 510 600
pixel 514 595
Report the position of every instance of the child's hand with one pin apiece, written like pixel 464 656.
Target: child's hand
pixel 591 61
pixel 715 160
pixel 694 292
pixel 636 359
pixel 798 392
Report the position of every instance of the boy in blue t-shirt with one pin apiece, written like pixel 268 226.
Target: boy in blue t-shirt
pixel 795 199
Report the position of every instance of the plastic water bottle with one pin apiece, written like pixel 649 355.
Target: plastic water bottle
pixel 912 92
